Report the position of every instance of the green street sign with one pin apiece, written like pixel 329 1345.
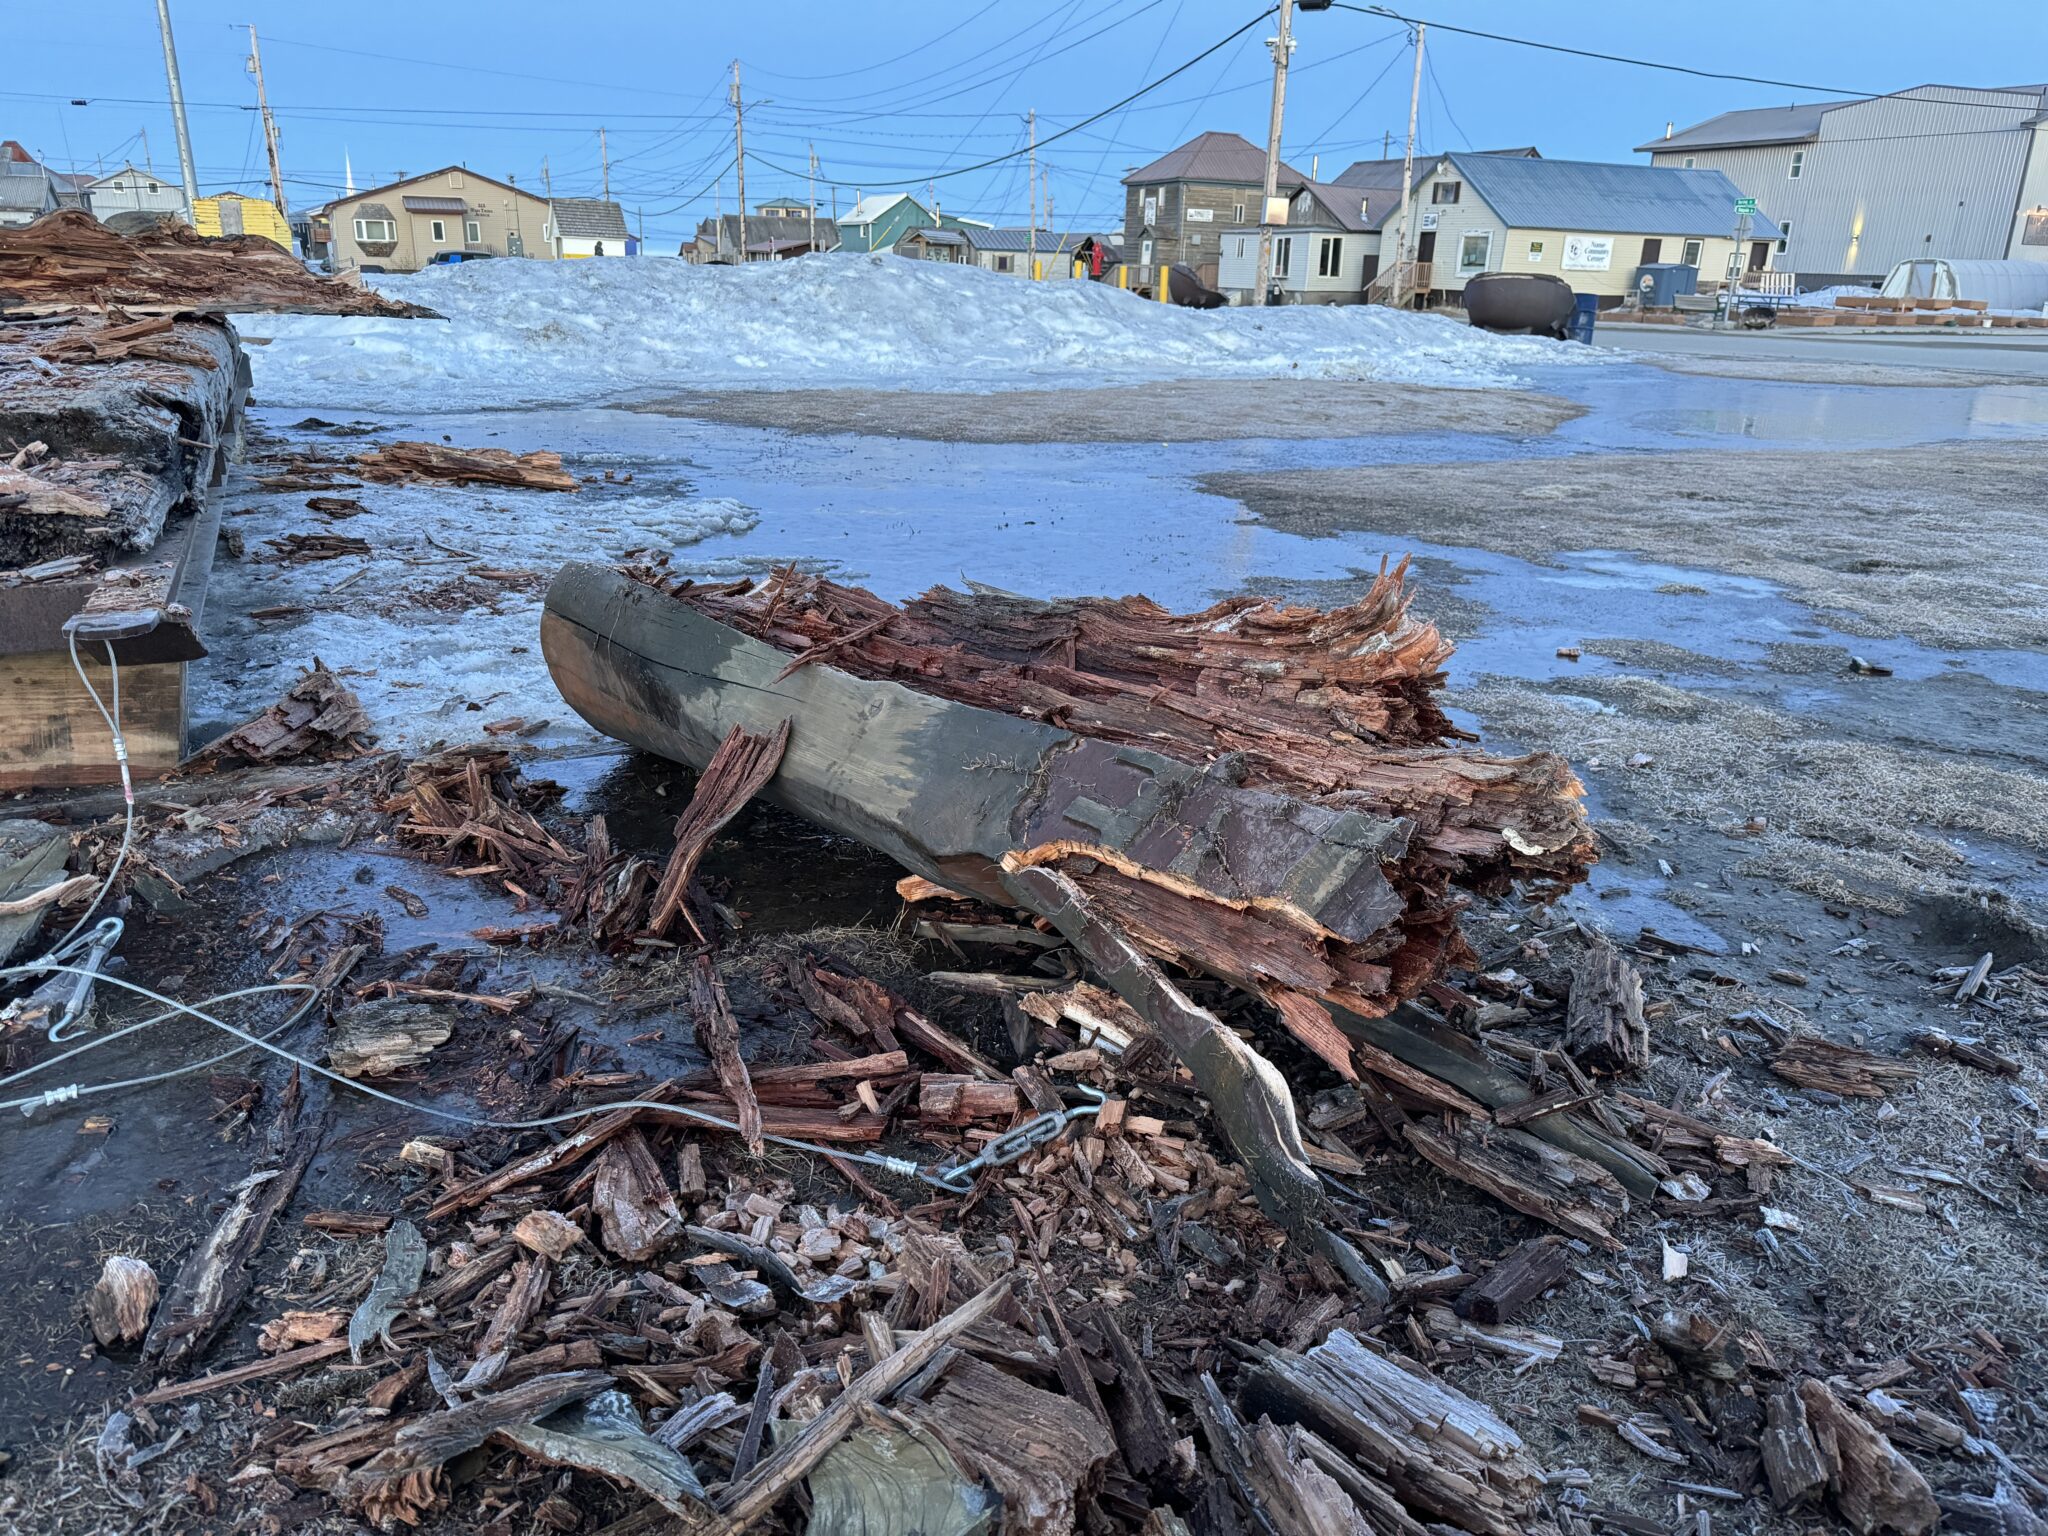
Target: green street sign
pixel 1745 205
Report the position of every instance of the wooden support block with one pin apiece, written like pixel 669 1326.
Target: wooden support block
pixel 50 734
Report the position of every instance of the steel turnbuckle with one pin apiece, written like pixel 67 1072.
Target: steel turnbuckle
pixel 958 1179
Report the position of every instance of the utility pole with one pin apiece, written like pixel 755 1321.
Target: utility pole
pixel 1282 46
pixel 1387 144
pixel 1031 261
pixel 547 182
pixel 739 152
pixel 269 128
pixel 604 161
pixel 185 166
pixel 814 199
pixel 1408 172
pixel 147 164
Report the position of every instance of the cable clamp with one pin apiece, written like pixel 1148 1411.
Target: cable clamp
pixel 51 1097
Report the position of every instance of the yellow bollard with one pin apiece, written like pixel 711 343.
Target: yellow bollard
pixel 1037 270
pixel 1077 270
pixel 1123 276
pixel 1162 287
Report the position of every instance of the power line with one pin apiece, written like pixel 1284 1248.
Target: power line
pixel 871 68
pixel 1676 69
pixel 981 165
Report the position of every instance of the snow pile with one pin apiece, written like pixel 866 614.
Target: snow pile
pixel 539 332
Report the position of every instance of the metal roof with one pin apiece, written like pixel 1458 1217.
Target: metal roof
pixel 587 218
pixel 434 205
pixel 1795 124
pixel 1600 198
pixel 1015 239
pixel 1229 158
pixel 937 236
pixel 869 209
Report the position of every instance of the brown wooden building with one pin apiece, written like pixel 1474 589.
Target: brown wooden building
pixel 1176 208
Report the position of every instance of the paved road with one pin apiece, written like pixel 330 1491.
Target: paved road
pixel 2020 355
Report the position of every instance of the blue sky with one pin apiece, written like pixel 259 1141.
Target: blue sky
pixel 893 92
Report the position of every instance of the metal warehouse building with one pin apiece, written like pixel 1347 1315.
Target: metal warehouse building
pixel 1858 185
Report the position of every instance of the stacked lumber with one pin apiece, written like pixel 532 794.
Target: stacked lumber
pixel 69 260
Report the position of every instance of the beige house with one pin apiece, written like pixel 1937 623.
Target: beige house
pixel 404 226
pixel 1593 224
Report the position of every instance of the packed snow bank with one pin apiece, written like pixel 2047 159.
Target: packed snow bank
pixel 540 332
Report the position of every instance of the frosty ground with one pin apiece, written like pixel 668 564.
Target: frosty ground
pixel 1717 549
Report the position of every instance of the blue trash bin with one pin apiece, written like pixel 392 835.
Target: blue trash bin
pixel 1585 309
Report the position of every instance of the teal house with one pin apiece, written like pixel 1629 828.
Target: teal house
pixel 876 223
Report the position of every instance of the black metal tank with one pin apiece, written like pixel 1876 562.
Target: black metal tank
pixel 1530 303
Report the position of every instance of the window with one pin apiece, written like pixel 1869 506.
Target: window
pixel 1151 207
pixel 1798 164
pixel 1691 258
pixel 1535 250
pixel 473 232
pixel 1474 250
pixel 1446 191
pixel 152 186
pixel 1244 245
pixel 1688 163
pixel 438 230
pixel 375 229
pixel 1237 213
pixel 1653 250
pixel 1330 257
pixel 1002 263
pixel 1283 255
pixel 1785 235
pixel 2034 233
pixel 455 178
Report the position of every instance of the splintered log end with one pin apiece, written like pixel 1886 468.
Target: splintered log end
pixel 121 1301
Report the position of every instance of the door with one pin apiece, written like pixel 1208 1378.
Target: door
pixel 231 216
pixel 1653 251
pixel 1425 246
pixel 1759 253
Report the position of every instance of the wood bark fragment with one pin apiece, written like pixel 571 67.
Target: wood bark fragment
pixel 121 1301
pixel 944 1098
pixel 1573 1195
pixel 1873 1486
pixel 751 1497
pixel 402 1482
pixel 405 461
pixel 1448 1457
pixel 718 1034
pixel 603 1434
pixel 636 1213
pixel 1793 1464
pixel 215 1276
pixel 1144 1429
pixel 1812 1062
pixel 1043 1453
pixel 743 763
pixel 1517 1280
pixel 1604 1028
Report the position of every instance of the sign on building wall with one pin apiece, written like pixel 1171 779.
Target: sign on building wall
pixel 1201 215
pixel 1429 218
pixel 1588 253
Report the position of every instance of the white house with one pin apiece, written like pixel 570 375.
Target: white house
pixel 1326 253
pixel 129 190
pixel 588 226
pixel 1588 222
